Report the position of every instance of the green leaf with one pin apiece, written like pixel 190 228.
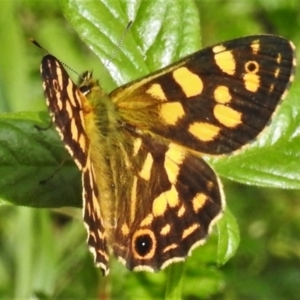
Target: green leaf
pixel 161 33
pixel 228 237
pixel 174 281
pixel 14 70
pixel 28 157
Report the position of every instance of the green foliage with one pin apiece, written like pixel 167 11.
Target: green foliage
pixel 31 159
pixel 44 255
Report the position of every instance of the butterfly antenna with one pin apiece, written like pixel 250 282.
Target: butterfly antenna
pixel 33 41
pixel 119 44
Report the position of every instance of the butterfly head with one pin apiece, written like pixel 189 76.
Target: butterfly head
pixel 86 82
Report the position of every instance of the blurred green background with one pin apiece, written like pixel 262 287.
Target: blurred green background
pixel 43 254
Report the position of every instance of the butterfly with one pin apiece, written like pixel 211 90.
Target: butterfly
pixel 148 195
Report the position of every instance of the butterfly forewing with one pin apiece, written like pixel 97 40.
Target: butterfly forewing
pixel 65 103
pixel 215 100
pixel 147 193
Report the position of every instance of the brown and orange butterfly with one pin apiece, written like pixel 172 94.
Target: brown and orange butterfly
pixel 147 194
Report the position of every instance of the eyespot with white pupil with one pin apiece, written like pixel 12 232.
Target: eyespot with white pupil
pixel 143 244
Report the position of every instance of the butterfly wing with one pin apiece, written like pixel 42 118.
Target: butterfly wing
pixel 147 193
pixel 69 108
pixel 166 199
pixel 175 199
pixel 215 100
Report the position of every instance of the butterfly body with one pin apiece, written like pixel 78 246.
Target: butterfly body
pixel 147 193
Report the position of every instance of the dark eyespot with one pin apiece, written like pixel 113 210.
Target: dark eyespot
pixel 143 244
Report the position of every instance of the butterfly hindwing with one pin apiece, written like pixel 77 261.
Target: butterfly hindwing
pixel 97 239
pixel 175 200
